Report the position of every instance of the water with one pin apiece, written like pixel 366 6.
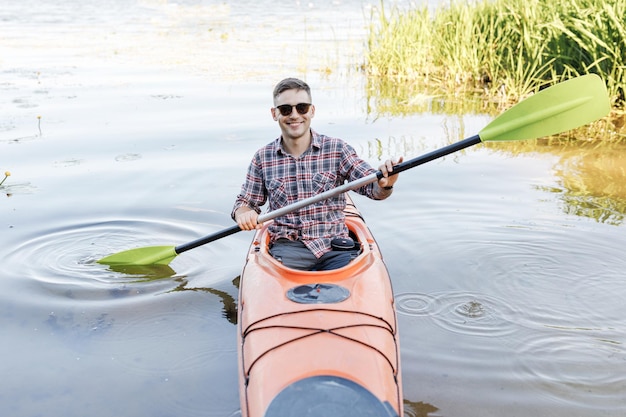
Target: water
pixel 131 124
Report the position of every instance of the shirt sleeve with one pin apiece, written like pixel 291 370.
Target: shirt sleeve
pixel 355 168
pixel 253 193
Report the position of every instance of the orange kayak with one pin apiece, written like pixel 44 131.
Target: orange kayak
pixel 318 344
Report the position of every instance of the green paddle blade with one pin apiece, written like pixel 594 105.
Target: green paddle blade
pixel 151 255
pixel 564 106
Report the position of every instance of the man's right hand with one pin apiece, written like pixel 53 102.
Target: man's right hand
pixel 247 218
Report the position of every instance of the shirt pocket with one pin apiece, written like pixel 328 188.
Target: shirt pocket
pixel 277 194
pixel 323 181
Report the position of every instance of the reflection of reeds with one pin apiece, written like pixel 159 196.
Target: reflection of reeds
pixel 592 175
pixel 496 51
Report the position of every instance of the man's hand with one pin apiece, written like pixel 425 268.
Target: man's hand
pixel 386 168
pixel 247 218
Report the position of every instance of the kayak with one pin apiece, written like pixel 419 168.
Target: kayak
pixel 318 344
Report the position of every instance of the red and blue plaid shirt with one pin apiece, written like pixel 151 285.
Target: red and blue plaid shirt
pixel 281 179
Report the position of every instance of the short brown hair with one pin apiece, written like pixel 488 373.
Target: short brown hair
pixel 291 84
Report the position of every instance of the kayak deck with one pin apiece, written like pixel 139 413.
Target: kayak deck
pixel 318 343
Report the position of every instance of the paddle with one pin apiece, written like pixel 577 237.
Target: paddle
pixel 556 109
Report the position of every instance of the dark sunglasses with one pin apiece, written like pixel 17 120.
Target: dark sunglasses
pixel 301 108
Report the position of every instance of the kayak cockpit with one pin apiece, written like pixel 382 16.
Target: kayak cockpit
pixel 364 242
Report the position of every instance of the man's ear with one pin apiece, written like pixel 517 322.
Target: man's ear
pixel 273 110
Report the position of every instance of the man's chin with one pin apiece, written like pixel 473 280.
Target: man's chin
pixel 296 132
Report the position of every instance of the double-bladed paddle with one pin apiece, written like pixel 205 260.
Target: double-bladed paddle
pixel 556 109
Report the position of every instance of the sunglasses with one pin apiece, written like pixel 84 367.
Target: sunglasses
pixel 287 109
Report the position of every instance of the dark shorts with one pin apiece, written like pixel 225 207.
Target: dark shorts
pixel 294 254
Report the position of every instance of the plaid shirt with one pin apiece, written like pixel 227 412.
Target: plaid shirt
pixel 276 176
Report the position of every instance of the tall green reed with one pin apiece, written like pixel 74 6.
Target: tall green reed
pixel 501 50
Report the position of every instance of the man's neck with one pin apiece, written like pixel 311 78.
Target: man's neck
pixel 296 147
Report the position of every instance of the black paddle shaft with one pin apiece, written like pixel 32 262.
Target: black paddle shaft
pixel 207 239
pixel 446 150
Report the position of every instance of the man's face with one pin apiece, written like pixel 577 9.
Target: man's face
pixel 294 125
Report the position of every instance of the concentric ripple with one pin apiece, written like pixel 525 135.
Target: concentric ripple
pixel 62 262
pixel 414 304
pixel 585 368
pixel 462 312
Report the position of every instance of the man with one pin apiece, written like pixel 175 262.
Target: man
pixel 300 164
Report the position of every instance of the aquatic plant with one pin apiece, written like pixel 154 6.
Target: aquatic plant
pixel 501 50
pixel 7 174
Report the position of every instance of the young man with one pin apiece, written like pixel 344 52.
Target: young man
pixel 300 164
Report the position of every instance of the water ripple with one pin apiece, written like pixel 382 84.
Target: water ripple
pixel 467 313
pixel 170 342
pixel 10 189
pixel 62 261
pixel 582 367
pixel 600 296
pixel 415 304
pixel 139 342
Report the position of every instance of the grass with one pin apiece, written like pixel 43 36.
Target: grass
pixel 493 53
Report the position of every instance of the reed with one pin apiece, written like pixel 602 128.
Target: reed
pixel 6 175
pixel 498 50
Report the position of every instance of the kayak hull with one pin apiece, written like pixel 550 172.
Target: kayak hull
pixel 318 343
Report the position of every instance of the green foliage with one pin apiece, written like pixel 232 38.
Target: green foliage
pixel 501 50
pixel 481 56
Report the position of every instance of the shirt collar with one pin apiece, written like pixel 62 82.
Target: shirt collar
pixel 316 142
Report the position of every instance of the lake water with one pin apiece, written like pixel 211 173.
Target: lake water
pixel 130 123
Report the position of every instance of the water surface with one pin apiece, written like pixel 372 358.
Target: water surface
pixel 132 123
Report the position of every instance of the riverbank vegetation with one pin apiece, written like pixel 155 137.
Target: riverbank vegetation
pixel 489 54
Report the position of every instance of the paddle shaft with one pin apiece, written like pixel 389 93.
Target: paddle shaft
pixel 466 143
pixel 556 109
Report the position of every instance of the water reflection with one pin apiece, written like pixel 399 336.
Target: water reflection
pixel 591 176
pixel 142 273
pixel 229 304
pixel 507 304
pixel 418 409
pixel 594 182
pixel 10 188
pixel 385 97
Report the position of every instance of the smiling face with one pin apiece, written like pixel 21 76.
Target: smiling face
pixel 295 127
